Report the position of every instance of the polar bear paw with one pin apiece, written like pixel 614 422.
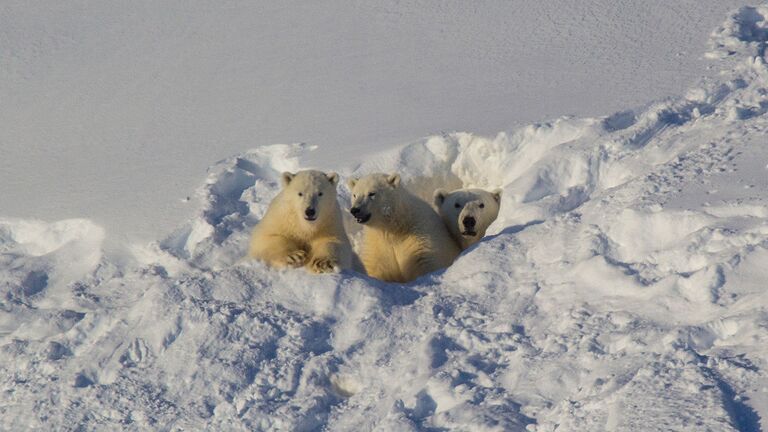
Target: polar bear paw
pixel 324 265
pixel 296 258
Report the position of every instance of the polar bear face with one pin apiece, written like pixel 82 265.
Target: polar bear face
pixel 311 195
pixel 468 213
pixel 374 197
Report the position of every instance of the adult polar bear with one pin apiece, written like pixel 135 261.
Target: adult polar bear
pixel 403 237
pixel 303 226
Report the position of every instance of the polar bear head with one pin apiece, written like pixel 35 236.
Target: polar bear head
pixel 311 195
pixel 467 213
pixel 375 197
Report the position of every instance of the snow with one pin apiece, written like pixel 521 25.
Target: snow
pixel 111 110
pixel 622 288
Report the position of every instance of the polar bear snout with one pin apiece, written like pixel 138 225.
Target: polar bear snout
pixel 310 214
pixel 469 223
pixel 359 215
pixel 468 218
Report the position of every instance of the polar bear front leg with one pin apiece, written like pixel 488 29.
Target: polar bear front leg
pixel 278 251
pixel 380 262
pixel 325 255
pixel 416 258
pixel 419 265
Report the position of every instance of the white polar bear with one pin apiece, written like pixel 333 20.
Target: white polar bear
pixel 467 213
pixel 303 226
pixel 403 237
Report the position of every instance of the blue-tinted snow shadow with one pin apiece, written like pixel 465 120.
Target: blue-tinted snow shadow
pixel 512 229
pixel 392 293
pixel 744 416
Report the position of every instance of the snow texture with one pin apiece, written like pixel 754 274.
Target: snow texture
pixel 622 288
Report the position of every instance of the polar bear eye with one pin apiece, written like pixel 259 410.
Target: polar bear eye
pixel 301 194
pixel 482 205
pixel 320 194
pixel 457 205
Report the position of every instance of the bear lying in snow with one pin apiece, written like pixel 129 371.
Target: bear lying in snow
pixel 303 226
pixel 403 237
pixel 467 213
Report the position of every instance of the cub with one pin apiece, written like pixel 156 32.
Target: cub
pixel 403 237
pixel 467 213
pixel 302 226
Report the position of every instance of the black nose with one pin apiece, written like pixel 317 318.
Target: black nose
pixel 310 212
pixel 469 222
pixel 354 211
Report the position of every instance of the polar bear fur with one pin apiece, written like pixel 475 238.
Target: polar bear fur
pixel 303 226
pixel 467 213
pixel 403 237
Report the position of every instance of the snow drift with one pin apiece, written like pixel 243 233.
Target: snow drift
pixel 621 288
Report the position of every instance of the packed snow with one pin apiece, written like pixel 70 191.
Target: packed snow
pixel 622 288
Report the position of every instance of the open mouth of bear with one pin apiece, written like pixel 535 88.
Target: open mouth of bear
pixel 363 218
pixel 469 233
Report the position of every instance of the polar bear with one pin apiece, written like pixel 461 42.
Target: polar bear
pixel 303 226
pixel 403 237
pixel 467 213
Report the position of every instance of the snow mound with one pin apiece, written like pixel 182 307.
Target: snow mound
pixel 621 288
pixel 40 262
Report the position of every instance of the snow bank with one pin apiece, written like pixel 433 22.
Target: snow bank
pixel 621 288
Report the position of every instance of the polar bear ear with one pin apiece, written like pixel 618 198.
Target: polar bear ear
pixel 496 194
pixel 333 178
pixel 351 183
pixel 394 180
pixel 287 177
pixel 439 197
